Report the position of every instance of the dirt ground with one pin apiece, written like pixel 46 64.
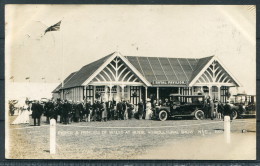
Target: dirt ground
pixel 135 139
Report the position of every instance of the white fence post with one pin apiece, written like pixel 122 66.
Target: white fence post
pixel 53 136
pixel 227 128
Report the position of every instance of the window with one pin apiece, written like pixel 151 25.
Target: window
pixel 224 93
pixel 90 93
pixel 125 89
pixel 114 89
pixel 100 88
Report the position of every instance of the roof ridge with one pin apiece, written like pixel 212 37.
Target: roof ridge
pixel 167 57
pixel 98 60
pixel 71 82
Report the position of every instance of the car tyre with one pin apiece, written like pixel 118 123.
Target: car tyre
pixel 199 115
pixel 234 114
pixel 163 115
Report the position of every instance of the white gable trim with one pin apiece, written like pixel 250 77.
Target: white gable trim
pixel 207 66
pixel 201 72
pixel 226 69
pixel 147 83
pixel 99 70
pixel 103 66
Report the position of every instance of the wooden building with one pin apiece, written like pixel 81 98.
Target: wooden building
pixel 133 78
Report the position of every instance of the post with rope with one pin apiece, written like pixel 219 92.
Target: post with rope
pixel 227 129
pixel 52 136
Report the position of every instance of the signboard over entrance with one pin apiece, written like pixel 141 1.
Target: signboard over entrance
pixel 167 82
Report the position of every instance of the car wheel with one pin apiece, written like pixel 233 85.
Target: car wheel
pixel 234 114
pixel 199 115
pixel 163 115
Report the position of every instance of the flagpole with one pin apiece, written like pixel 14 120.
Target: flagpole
pixel 56 27
pixel 62 72
pixel 62 56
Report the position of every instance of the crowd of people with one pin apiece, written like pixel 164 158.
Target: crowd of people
pixel 84 111
pixel 216 109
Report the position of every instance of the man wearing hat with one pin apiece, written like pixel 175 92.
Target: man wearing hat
pixel 228 110
pixel 140 109
pixel 78 111
pixel 87 110
pixel 120 110
pixel 37 111
pixel 66 110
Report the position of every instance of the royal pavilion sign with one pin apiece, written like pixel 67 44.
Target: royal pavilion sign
pixel 168 82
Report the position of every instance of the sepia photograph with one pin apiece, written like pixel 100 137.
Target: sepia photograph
pixel 135 82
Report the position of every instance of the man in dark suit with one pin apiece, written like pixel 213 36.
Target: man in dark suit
pixel 52 111
pixel 110 110
pixel 78 111
pixel 66 110
pixel 120 110
pixel 47 111
pixel 37 110
pixel 228 110
pixel 87 111
pixel 125 113
pixel 94 111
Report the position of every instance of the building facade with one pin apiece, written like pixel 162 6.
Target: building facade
pixel 116 77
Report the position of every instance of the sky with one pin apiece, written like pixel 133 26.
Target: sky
pixel 90 32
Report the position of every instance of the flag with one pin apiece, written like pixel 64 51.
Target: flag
pixel 43 78
pixel 12 77
pixel 55 27
pixel 27 78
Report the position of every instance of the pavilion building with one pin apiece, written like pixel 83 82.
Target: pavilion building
pixel 133 78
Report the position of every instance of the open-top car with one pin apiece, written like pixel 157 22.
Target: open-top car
pixel 182 106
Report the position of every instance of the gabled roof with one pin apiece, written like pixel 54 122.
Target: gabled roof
pixel 148 69
pixel 85 72
pixel 204 64
pixel 200 65
pixel 65 81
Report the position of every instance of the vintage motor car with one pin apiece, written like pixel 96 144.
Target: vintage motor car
pixel 182 106
pixel 243 106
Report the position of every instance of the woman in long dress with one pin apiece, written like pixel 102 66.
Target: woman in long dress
pixel 148 110
pixel 24 117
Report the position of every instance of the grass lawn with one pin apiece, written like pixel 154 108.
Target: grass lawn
pixel 125 139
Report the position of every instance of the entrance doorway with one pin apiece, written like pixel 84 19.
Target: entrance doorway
pixel 152 93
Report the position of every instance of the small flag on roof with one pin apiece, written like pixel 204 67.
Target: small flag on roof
pixel 27 78
pixel 55 27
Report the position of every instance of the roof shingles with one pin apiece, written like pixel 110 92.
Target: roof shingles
pixel 85 72
pixel 152 68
